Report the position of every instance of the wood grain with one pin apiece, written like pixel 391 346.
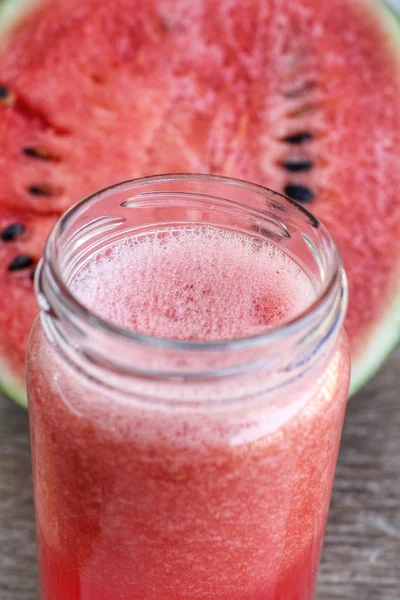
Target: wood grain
pixel 362 547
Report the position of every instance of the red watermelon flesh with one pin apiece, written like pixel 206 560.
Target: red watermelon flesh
pixel 301 97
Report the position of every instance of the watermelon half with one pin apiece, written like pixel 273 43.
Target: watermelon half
pixel 303 97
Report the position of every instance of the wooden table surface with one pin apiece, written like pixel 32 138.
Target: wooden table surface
pixel 362 548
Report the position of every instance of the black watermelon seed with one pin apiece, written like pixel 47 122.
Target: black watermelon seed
pixel 40 190
pixel 298 165
pixel 300 193
pixel 22 261
pixel 298 138
pixel 10 233
pixel 40 153
pixel 6 96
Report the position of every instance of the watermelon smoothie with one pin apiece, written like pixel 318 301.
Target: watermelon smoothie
pixel 186 414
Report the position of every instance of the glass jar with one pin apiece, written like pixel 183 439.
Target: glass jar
pixel 181 469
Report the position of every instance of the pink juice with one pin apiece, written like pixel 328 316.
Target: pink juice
pixel 161 501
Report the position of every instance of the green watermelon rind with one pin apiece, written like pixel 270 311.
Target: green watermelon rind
pixel 11 386
pixel 371 360
pixel 385 336
pixel 11 11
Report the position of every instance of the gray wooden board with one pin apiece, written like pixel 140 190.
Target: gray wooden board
pixel 362 548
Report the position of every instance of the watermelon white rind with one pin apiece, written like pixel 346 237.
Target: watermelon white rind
pixel 384 332
pixel 11 11
pixel 384 340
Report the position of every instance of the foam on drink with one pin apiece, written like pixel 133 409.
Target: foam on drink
pixel 195 283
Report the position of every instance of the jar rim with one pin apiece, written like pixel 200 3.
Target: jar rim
pixel 273 335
